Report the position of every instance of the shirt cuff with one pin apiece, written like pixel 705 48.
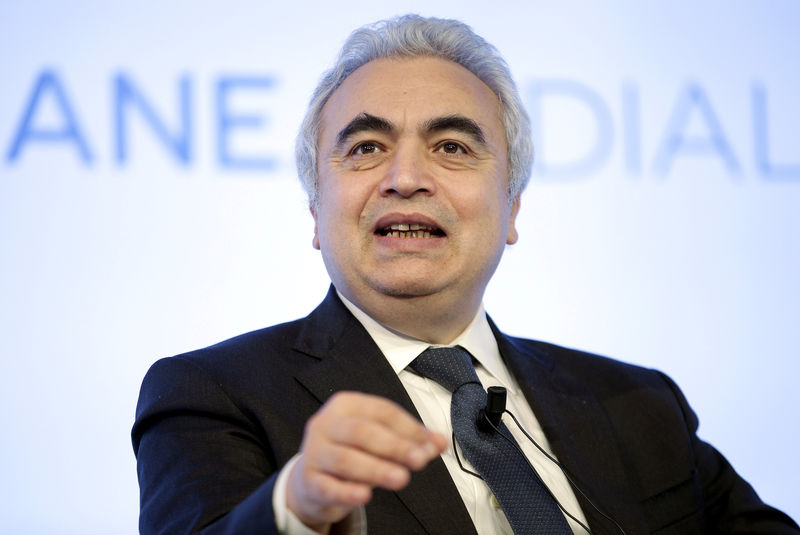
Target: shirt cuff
pixel 287 522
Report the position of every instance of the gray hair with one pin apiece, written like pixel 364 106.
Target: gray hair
pixel 410 36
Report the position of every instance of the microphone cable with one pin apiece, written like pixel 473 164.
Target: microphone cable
pixel 563 470
pixel 514 443
pixel 486 421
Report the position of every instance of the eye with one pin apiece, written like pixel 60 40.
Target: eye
pixel 365 148
pixel 451 147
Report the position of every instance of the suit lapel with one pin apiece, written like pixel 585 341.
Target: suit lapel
pixel 579 433
pixel 348 359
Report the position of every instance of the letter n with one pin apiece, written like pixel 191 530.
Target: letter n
pixel 127 96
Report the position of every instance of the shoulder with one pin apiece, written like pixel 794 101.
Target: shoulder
pixel 621 387
pixel 592 368
pixel 245 364
pixel 244 348
pixel 268 342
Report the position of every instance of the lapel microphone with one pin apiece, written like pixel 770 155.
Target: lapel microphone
pixel 490 416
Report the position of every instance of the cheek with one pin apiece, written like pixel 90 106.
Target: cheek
pixel 487 204
pixel 345 198
pixel 495 222
pixel 340 208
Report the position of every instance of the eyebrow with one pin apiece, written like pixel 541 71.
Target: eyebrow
pixel 364 122
pixel 458 123
pixel 361 123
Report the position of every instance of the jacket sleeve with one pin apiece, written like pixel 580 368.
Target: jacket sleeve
pixel 203 465
pixel 730 504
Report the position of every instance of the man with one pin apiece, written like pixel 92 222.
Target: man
pixel 414 153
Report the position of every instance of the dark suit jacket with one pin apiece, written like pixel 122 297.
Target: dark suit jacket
pixel 214 426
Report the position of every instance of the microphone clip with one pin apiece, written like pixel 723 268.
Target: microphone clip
pixel 490 416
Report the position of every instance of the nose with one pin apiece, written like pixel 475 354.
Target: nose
pixel 409 173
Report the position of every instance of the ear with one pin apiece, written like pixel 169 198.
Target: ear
pixel 512 229
pixel 315 239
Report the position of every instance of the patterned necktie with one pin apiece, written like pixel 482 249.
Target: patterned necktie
pixel 526 501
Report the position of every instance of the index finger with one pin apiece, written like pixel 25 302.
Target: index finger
pixel 387 413
pixel 381 427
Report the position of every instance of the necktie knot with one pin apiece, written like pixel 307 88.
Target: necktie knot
pixel 451 367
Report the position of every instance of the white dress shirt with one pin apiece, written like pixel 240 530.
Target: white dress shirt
pixel 432 401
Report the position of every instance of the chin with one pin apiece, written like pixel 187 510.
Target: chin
pixel 406 289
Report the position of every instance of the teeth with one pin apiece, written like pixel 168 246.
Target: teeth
pixel 409 234
pixel 405 226
pixel 409 230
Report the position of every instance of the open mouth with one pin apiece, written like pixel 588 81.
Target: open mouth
pixel 410 230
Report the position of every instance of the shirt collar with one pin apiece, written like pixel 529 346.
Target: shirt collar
pixel 400 349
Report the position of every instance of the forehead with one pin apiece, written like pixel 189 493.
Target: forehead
pixel 409 91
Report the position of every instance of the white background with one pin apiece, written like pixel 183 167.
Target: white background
pixel 106 267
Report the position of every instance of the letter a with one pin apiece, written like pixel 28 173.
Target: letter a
pixel 676 139
pixel 48 83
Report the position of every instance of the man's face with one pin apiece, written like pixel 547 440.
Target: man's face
pixel 413 178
